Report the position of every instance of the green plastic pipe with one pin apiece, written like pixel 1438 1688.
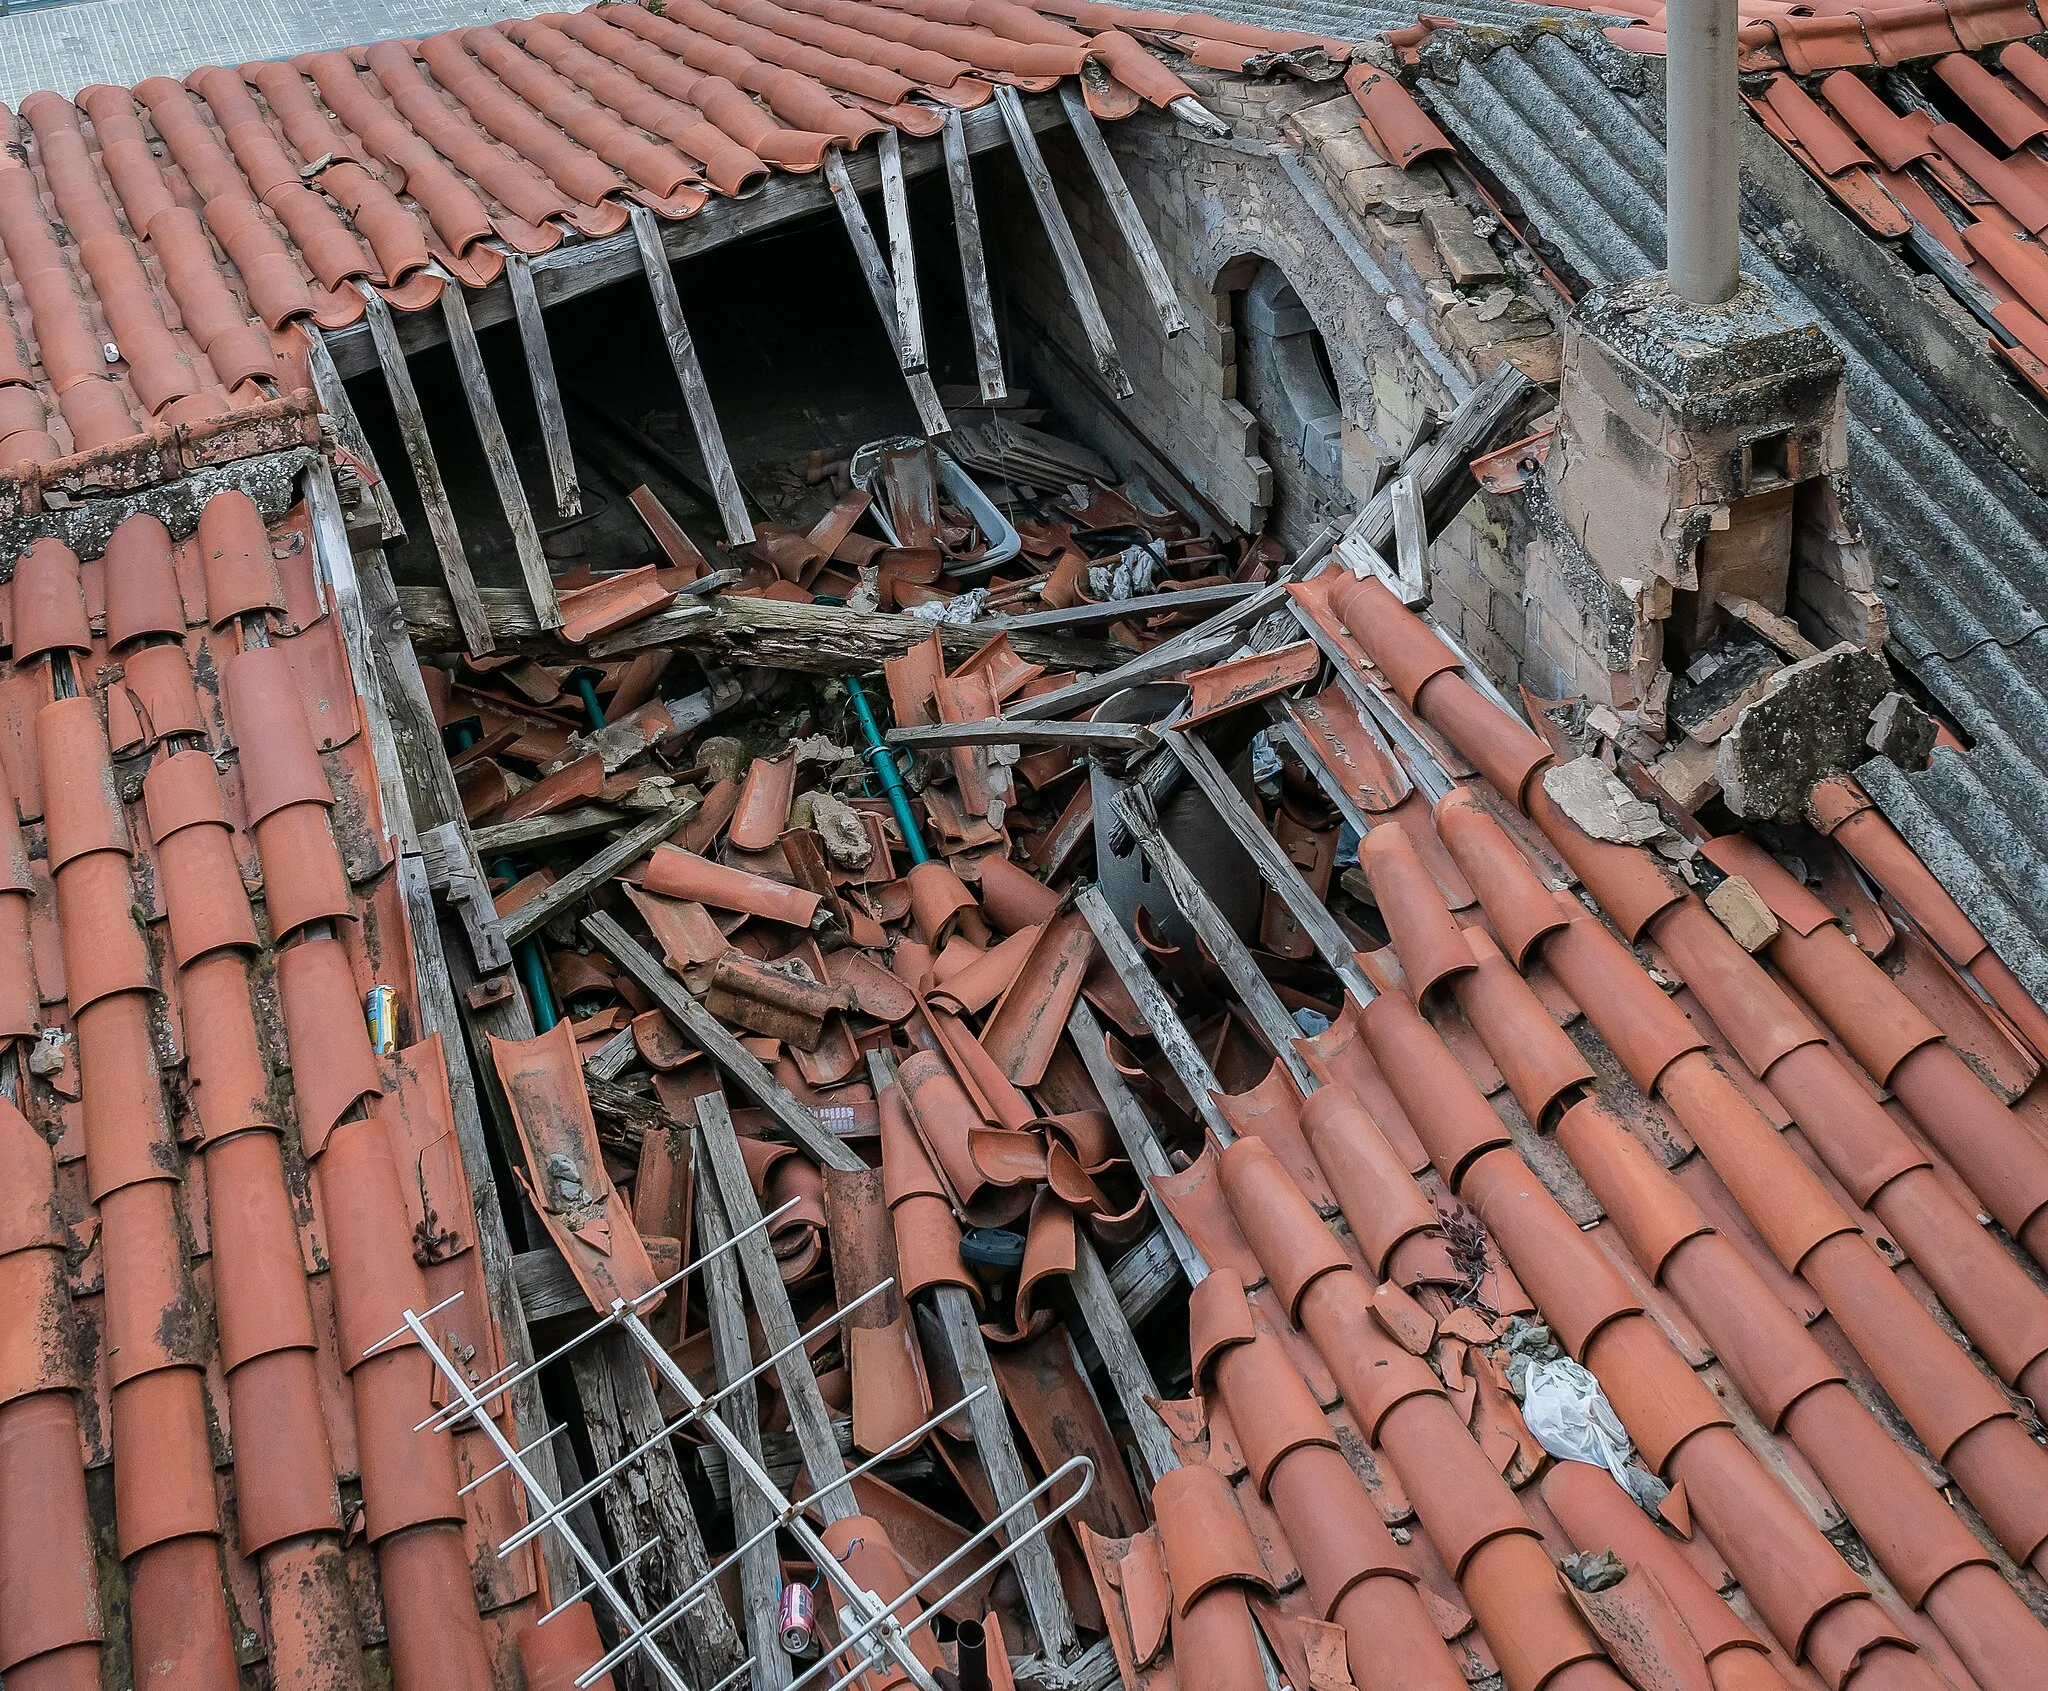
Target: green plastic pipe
pixel 883 761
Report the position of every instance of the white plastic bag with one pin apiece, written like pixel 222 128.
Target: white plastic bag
pixel 1572 1419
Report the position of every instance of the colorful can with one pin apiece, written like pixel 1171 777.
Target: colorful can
pixel 796 1619
pixel 380 1015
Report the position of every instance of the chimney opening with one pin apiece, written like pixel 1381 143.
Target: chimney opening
pixel 1770 460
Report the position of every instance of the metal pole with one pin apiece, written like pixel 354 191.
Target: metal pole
pixel 1701 180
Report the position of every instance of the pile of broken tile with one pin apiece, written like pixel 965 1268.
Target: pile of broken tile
pixel 1561 1184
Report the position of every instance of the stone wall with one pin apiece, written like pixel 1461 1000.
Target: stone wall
pixel 1404 281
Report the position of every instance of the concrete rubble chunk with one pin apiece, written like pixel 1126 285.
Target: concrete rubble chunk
pixel 1588 792
pixel 838 824
pixel 1740 908
pixel 1811 723
pixel 1901 731
pixel 1687 773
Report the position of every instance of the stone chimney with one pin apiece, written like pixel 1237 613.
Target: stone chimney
pixel 1699 458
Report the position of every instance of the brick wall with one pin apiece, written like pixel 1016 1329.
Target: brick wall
pixel 1211 204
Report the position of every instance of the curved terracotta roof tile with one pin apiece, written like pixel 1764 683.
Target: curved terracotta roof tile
pixel 1653 1212
pixel 142 582
pixel 1541 1065
pixel 178 1623
pixel 1643 1027
pixel 234 553
pixel 47 603
pixel 1450 1114
pixel 1400 128
pixel 203 887
pixel 1807 1228
pixel 1206 1541
pixel 676 873
pixel 1598 1514
pixel 1407 653
pixel 727 165
pixel 1271 1111
pixel 408 1479
pixel 156 685
pixel 181 791
pixel 49 1583
pixel 1340 1055
pixel 1578 1291
pixel 104 951
pixel 159 368
pixel 1382 1206
pixel 284 1472
pixel 799 101
pixel 163 1471
pixel 2012 119
pixel 375 1277
pixel 272 736
pixel 1262 1195
pixel 939 902
pixel 82 808
pixel 1758 1019
pixel 1831 148
pixel 227 1082
pixel 1431 947
pixel 1632 887
pixel 332 1067
pixel 303 877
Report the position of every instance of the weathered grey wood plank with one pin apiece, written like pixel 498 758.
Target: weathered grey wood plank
pixel 1275 868
pixel 1176 1044
pixel 718 1151
pixel 1123 209
pixel 1411 542
pixel 426 474
pixel 1232 956
pixel 1137 609
pixel 682 353
pixel 634 844
pixel 1129 1373
pixel 765 633
pixel 1082 736
pixel 760 1569
pixel 716 1042
pixel 910 348
pixel 547 391
pixel 1140 1139
pixel 490 429
pixel 620 1413
pixel 923 395
pixel 348 429
pixel 981 310
pixel 1060 233
pixel 997 1448
pixel 496 838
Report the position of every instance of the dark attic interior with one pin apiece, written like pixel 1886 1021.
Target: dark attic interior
pixel 936 845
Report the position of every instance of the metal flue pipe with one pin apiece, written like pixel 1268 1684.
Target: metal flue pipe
pixel 1701 178
pixel 972 1639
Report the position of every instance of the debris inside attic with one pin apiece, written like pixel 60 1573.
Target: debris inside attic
pixel 964 846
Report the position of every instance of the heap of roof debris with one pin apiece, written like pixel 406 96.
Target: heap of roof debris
pixel 942 1068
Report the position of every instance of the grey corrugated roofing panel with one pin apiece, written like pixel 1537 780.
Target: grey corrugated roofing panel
pixel 1919 807
pixel 1954 532
pixel 1360 20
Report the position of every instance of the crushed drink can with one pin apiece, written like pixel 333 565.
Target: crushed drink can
pixel 796 1619
pixel 380 1016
